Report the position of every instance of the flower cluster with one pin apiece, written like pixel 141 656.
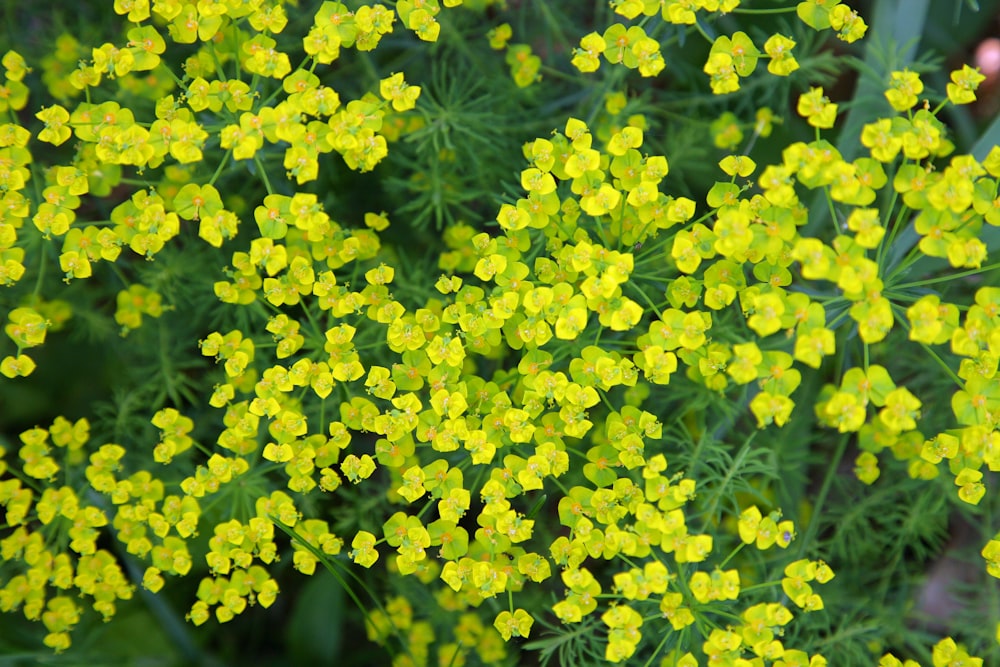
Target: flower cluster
pixel 563 422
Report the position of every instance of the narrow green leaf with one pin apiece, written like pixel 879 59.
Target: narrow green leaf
pixel 316 628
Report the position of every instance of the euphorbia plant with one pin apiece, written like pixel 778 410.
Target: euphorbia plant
pixel 449 302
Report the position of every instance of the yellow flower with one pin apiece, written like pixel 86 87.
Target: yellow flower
pixel 722 73
pixel 741 50
pixel 817 109
pixel 849 25
pixel 55 118
pixel 20 366
pixel 499 36
pixel 402 95
pixel 779 48
pixel 963 85
pixel 904 87
pixel 363 550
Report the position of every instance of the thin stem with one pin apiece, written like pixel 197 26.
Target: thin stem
pixel 263 175
pixel 222 165
pixel 943 279
pixel 775 10
pixel 831 471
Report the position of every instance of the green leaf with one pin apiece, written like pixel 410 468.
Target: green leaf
pixel 814 16
pixel 316 629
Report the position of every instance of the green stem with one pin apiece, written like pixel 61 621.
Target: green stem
pixel 739 547
pixel 943 365
pixel 775 10
pixel 733 469
pixel 41 267
pixel 951 276
pixel 222 165
pixel 648 300
pixel 329 564
pixel 914 256
pixel 659 648
pixel 263 175
pixel 831 471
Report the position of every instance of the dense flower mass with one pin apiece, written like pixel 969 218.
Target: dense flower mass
pixel 562 432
